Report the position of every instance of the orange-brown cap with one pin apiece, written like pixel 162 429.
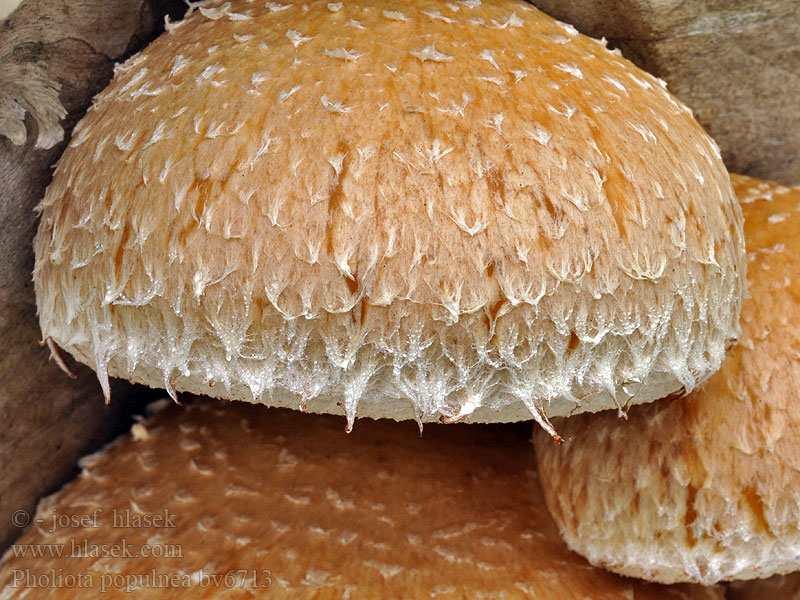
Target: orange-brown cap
pixel 706 487
pixel 419 209
pixel 289 507
pixel 777 587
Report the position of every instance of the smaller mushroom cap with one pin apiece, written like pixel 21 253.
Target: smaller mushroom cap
pixel 703 488
pixel 296 510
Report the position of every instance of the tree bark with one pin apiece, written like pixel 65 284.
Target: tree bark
pixel 736 63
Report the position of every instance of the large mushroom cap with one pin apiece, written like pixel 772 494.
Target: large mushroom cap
pixel 427 210
pixel 292 509
pixel 708 486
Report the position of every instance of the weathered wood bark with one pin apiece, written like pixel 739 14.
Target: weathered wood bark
pixel 54 56
pixel 7 7
pixel 735 62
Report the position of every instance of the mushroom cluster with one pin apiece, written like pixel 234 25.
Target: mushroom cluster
pixel 464 214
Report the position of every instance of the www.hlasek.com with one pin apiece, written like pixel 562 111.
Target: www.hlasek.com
pixel 83 548
pixel 129 582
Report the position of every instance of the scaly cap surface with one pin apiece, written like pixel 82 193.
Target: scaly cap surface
pixel 426 210
pixel 383 513
pixel 707 487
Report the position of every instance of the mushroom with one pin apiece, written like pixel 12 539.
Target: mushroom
pixel 708 486
pixel 779 587
pixel 227 500
pixel 462 211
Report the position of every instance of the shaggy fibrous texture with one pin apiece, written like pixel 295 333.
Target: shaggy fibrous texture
pixel 456 211
pixel 707 487
pixel 289 507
